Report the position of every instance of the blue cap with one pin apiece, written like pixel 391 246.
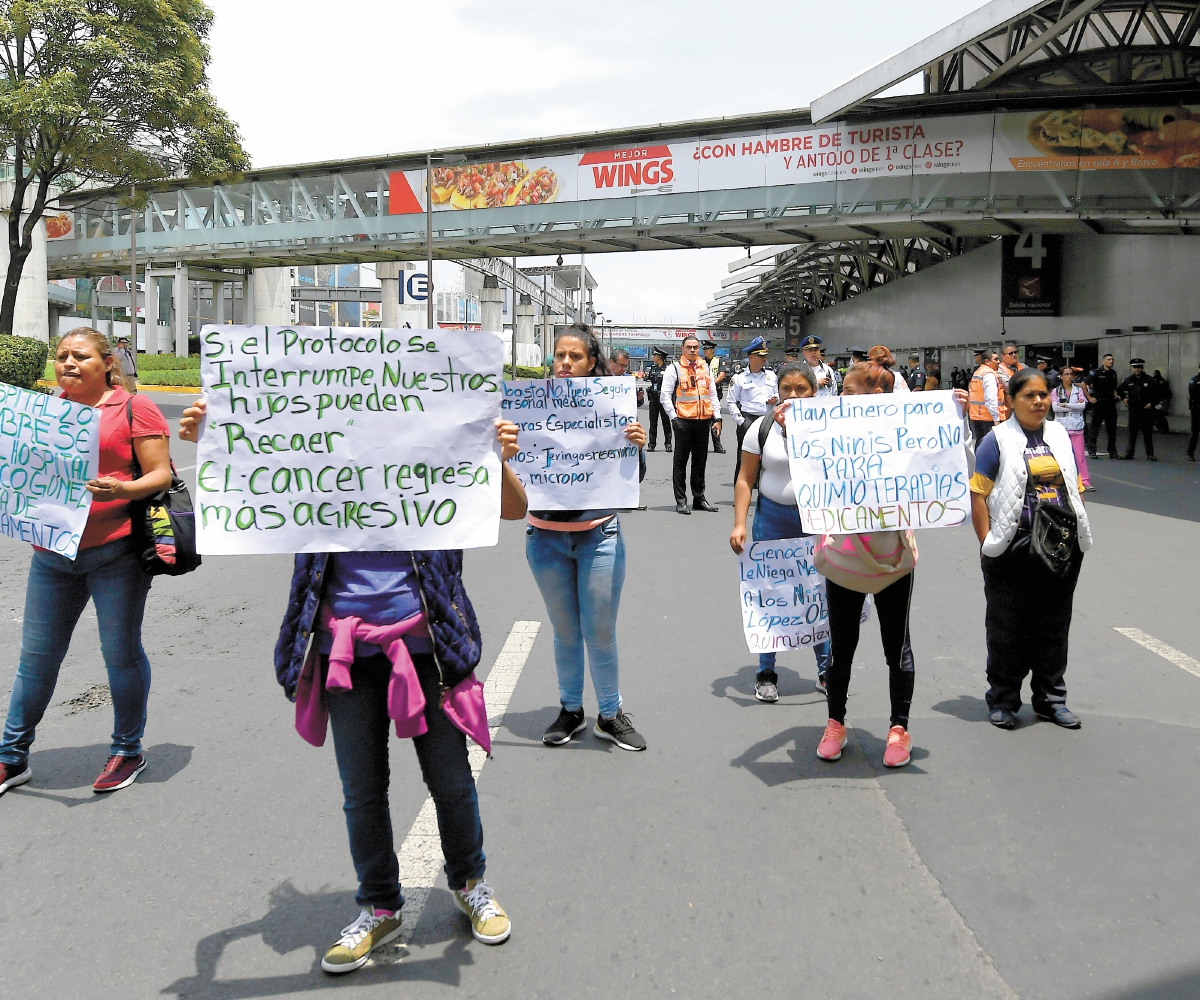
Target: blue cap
pixel 811 341
pixel 756 345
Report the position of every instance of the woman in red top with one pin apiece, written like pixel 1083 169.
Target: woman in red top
pixel 106 569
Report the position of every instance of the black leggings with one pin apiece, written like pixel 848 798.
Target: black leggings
pixel 845 610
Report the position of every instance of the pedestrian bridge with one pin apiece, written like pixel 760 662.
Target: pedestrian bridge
pixel 1051 117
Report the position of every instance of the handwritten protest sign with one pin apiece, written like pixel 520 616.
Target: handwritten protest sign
pixel 878 462
pixel 49 449
pixel 345 439
pixel 574 454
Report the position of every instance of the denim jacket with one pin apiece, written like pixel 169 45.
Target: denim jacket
pixel 449 616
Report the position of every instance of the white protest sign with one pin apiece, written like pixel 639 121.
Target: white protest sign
pixel 49 449
pixel 783 595
pixel 878 462
pixel 345 439
pixel 574 454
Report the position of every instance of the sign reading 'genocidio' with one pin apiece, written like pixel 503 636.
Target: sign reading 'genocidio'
pixel 574 454
pixel 342 439
pixel 878 462
pixel 49 449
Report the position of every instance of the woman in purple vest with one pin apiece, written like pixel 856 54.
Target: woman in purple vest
pixel 394 640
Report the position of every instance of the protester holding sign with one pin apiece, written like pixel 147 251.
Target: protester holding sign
pixel 1028 513
pixel 394 640
pixel 578 560
pixel 105 568
pixel 776 515
pixel 879 563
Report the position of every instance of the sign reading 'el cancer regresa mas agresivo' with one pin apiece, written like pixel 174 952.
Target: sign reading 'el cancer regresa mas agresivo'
pixel 342 439
pixel 878 462
pixel 49 449
pixel 574 454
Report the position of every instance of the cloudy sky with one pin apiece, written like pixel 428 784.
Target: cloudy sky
pixel 311 81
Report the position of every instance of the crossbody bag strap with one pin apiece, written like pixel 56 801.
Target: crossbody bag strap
pixel 137 466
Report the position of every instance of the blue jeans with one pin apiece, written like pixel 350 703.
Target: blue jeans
pixel 776 520
pixel 580 575
pixel 55 595
pixel 361 735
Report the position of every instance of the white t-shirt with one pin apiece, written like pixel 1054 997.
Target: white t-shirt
pixel 776 481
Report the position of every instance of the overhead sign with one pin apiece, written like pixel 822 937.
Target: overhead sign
pixel 343 439
pixel 49 450
pixel 1031 275
pixel 574 453
pixel 881 462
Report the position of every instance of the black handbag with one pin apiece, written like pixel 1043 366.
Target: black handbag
pixel 1054 537
pixel 164 525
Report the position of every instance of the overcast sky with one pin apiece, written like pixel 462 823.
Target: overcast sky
pixel 309 81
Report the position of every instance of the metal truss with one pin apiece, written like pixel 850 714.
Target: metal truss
pixel 1077 43
pixel 804 279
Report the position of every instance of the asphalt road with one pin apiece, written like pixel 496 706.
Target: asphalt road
pixel 726 861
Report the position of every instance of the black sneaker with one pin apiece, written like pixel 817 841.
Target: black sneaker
pixel 564 727
pixel 619 731
pixel 12 775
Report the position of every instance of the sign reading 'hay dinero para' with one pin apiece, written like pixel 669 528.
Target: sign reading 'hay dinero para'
pixel 346 439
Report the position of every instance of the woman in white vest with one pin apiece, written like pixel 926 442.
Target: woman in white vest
pixel 1023 468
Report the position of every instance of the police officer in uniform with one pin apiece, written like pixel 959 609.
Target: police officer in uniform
pixel 754 391
pixel 1102 384
pixel 654 375
pixel 827 380
pixel 1140 394
pixel 1194 406
pixel 718 376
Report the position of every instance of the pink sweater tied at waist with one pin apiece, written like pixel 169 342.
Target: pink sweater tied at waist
pixel 463 704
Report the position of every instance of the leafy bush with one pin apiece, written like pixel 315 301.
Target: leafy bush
pixel 22 360
pixel 524 372
pixel 165 362
pixel 190 376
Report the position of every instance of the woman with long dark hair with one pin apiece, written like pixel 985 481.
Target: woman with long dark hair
pixel 1022 463
pixel 578 560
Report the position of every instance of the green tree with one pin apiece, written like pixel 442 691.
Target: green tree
pixel 103 92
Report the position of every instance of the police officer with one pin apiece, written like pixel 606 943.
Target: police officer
pixel 654 375
pixel 1102 384
pixel 1194 406
pixel 1140 395
pixel 859 354
pixel 827 380
pixel 754 391
pixel 718 377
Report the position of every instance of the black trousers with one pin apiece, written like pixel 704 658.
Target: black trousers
pixel 981 429
pixel 743 426
pixel 716 435
pixel 845 610
pixel 1103 413
pixel 1028 619
pixel 691 442
pixel 1191 448
pixel 1141 420
pixel 657 413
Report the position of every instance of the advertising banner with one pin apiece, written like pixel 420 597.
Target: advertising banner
pixel 347 439
pixel 574 454
pixel 49 449
pixel 878 462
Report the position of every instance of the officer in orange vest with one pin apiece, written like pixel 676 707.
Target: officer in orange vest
pixel 689 395
pixel 1009 366
pixel 984 392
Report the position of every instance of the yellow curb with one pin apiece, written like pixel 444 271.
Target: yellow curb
pixel 142 387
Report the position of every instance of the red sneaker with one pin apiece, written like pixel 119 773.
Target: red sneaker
pixel 897 753
pixel 830 747
pixel 119 772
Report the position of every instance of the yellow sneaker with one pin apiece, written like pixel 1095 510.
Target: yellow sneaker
pixel 489 923
pixel 362 937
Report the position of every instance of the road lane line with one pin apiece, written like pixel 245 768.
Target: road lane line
pixel 420 855
pixel 1136 486
pixel 1162 649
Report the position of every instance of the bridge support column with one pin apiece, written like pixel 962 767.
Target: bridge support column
pixel 491 304
pixel 180 293
pixel 31 317
pixel 151 338
pixel 390 273
pixel 523 321
pixel 218 288
pixel 270 296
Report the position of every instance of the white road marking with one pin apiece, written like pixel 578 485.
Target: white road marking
pixel 1136 486
pixel 420 855
pixel 1162 649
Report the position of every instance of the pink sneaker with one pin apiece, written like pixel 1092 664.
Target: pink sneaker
pixel 830 747
pixel 897 752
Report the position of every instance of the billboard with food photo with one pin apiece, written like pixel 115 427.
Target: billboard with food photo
pixel 60 225
pixel 1098 139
